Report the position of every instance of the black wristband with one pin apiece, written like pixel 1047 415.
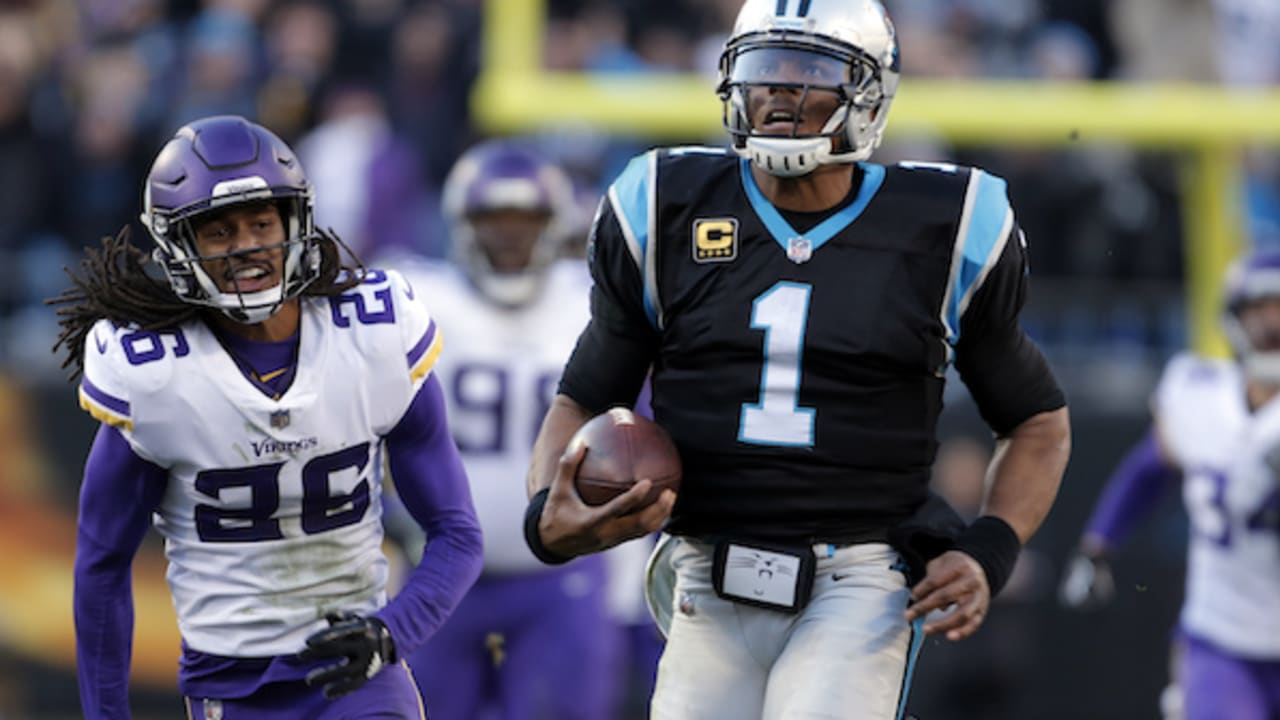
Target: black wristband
pixel 532 536
pixel 995 546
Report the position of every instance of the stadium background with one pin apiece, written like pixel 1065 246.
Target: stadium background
pixel 1135 134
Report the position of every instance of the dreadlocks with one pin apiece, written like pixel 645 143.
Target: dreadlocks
pixel 121 283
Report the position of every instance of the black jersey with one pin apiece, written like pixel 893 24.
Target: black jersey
pixel 800 370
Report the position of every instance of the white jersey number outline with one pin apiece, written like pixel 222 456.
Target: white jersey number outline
pixel 777 419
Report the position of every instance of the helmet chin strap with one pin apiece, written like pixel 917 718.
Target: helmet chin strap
pixel 788 157
pixel 247 308
pixel 510 289
pixel 792 157
pixel 1258 366
pixel 1263 367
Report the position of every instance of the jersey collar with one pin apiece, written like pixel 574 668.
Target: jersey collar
pixel 781 230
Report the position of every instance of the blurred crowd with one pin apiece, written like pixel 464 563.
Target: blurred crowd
pixel 374 94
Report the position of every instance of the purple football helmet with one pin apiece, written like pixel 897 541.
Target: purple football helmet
pixel 1250 279
pixel 208 165
pixel 499 175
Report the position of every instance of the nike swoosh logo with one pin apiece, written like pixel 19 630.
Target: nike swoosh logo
pixel 408 290
pixel 837 577
pixel 102 345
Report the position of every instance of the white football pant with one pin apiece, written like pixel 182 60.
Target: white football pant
pixel 847 656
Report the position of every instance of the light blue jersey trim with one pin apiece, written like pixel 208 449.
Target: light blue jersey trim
pixel 872 179
pixel 913 654
pixel 984 228
pixel 633 196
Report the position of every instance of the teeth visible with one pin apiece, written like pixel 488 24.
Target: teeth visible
pixel 252 273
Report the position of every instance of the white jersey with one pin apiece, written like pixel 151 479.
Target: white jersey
pixel 1231 467
pixel 272 513
pixel 499 376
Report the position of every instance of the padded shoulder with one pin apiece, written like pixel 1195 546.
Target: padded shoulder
pixel 121 363
pixel 386 311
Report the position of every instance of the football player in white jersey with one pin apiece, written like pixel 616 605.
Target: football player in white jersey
pixel 527 641
pixel 250 389
pixel 1217 425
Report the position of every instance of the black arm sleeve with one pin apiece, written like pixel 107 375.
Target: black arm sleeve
pixel 1007 375
pixel 614 352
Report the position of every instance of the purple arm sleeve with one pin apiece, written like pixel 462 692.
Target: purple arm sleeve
pixel 431 483
pixel 119 493
pixel 1131 492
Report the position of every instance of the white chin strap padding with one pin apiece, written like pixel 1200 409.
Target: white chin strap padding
pixel 793 157
pixel 511 289
pixel 788 157
pixel 1263 367
pixel 1258 366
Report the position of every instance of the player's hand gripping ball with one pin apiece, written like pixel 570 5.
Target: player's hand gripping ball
pixel 622 449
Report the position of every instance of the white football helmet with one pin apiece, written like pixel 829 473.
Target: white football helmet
pixel 845 46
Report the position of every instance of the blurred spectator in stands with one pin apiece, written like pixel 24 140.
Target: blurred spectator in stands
pixel 434 61
pixel 301 45
pixel 367 175
pixel 23 159
pixel 1248 53
pixel 367 29
pixel 1248 48
pixel 1171 40
pixel 100 180
pixel 223 50
pixel 147 29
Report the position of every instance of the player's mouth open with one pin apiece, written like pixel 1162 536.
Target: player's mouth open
pixel 250 278
pixel 780 122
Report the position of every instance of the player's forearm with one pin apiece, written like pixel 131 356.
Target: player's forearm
pixel 1133 489
pixel 117 496
pixel 562 421
pixel 1027 470
pixel 433 487
pixel 102 604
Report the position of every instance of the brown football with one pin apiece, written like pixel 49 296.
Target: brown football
pixel 623 448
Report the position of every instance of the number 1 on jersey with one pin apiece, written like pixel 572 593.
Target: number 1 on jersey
pixel 777 419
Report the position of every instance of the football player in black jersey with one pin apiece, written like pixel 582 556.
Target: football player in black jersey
pixel 798 308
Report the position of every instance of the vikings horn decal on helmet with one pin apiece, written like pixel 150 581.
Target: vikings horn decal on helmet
pixel 500 175
pixel 208 165
pixel 847 47
pixel 1249 280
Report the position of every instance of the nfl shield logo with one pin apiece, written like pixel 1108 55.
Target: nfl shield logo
pixel 799 250
pixel 280 419
pixel 212 709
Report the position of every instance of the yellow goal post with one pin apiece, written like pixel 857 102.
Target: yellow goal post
pixel 1208 125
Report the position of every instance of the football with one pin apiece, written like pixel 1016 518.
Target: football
pixel 622 448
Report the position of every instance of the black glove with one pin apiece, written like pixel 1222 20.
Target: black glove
pixel 363 646
pixel 1088 583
